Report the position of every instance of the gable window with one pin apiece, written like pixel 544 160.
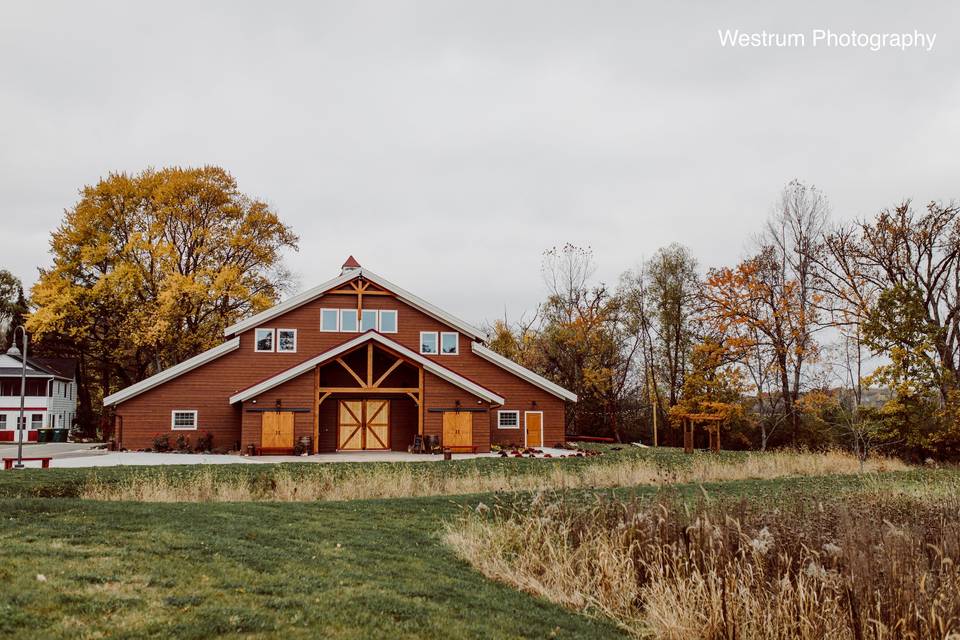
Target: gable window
pixel 264 340
pixel 368 320
pixel 449 343
pixel 183 420
pixel 508 419
pixel 388 321
pixel 329 320
pixel 428 343
pixel 287 340
pixel 348 320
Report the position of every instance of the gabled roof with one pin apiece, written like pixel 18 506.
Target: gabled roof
pixel 428 365
pixel 172 372
pixel 36 367
pixel 523 372
pixel 314 293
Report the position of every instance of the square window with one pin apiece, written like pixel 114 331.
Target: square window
pixel 428 343
pixel 329 320
pixel 508 419
pixel 368 320
pixel 3 421
pixel 183 420
pixel 36 421
pixel 388 321
pixel 348 320
pixel 450 343
pixel 287 340
pixel 264 340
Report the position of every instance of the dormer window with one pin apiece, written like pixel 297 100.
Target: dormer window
pixel 263 340
pixel 449 343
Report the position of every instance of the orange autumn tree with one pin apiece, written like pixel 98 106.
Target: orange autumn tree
pixel 713 386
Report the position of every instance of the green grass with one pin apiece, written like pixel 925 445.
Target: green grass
pixel 359 569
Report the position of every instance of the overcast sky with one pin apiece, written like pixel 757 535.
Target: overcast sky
pixel 447 144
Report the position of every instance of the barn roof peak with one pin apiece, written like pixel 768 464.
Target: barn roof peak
pixel 351 264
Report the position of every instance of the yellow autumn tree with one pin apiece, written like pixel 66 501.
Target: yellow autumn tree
pixel 148 270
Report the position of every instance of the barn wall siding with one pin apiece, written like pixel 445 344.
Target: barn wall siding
pixel 208 388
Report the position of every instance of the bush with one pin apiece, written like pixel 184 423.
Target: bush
pixel 161 442
pixel 183 443
pixel 205 442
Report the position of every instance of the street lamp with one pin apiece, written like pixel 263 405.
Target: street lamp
pixel 21 423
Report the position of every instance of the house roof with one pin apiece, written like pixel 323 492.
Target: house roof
pixel 523 372
pixel 355 272
pixel 63 368
pixel 428 365
pixel 172 372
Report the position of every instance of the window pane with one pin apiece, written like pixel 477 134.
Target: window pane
pixel 449 342
pixel 509 419
pixel 184 419
pixel 286 340
pixel 3 421
pixel 368 319
pixel 428 342
pixel 264 339
pixel 36 420
pixel 328 320
pixel 348 320
pixel 388 321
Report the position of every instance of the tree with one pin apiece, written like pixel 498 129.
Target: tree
pixel 13 306
pixel 770 300
pixel 148 270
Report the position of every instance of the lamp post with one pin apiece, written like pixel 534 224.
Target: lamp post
pixel 21 423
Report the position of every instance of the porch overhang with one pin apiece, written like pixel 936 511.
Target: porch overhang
pixel 369 337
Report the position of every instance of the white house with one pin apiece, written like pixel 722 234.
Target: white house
pixel 51 396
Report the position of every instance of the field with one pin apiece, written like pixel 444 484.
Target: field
pixel 79 559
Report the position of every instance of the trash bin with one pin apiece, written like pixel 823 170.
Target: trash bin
pixel 59 435
pixel 44 435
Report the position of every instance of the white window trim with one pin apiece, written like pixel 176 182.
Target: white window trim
pixel 173 425
pixel 340 320
pixel 437 342
pixel 337 323
pixel 256 340
pixel 396 320
pixel 376 320
pixel 515 412
pixel 279 350
pixel 440 343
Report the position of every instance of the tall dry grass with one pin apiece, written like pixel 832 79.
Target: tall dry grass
pixel 864 566
pixel 395 481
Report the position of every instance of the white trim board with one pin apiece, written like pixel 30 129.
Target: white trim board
pixel 314 293
pixel 523 372
pixel 172 372
pixel 428 365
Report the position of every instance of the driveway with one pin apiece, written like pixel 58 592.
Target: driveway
pixel 55 450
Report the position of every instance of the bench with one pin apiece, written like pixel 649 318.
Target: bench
pixel 9 462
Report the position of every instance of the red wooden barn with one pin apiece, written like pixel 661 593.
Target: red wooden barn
pixel 357 363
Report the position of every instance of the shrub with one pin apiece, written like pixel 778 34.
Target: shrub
pixel 205 442
pixel 161 442
pixel 183 443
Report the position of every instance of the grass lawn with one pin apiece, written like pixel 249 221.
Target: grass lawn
pixel 356 569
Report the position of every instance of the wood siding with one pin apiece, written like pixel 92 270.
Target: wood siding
pixel 208 388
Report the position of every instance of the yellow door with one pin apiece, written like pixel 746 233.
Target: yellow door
pixel 350 427
pixel 276 430
pixel 457 429
pixel 534 427
pixel 376 424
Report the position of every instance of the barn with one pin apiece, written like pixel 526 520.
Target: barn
pixel 355 363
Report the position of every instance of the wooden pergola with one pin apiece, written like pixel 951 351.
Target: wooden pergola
pixel 712 421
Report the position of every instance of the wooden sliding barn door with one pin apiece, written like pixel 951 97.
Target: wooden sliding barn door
pixel 276 430
pixel 363 425
pixel 457 429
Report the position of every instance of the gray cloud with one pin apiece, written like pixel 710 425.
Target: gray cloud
pixel 447 144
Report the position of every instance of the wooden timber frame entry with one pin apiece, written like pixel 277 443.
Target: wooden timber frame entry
pixel 368 386
pixel 712 422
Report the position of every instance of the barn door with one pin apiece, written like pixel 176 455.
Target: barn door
pixel 350 425
pixel 276 430
pixel 457 429
pixel 376 424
